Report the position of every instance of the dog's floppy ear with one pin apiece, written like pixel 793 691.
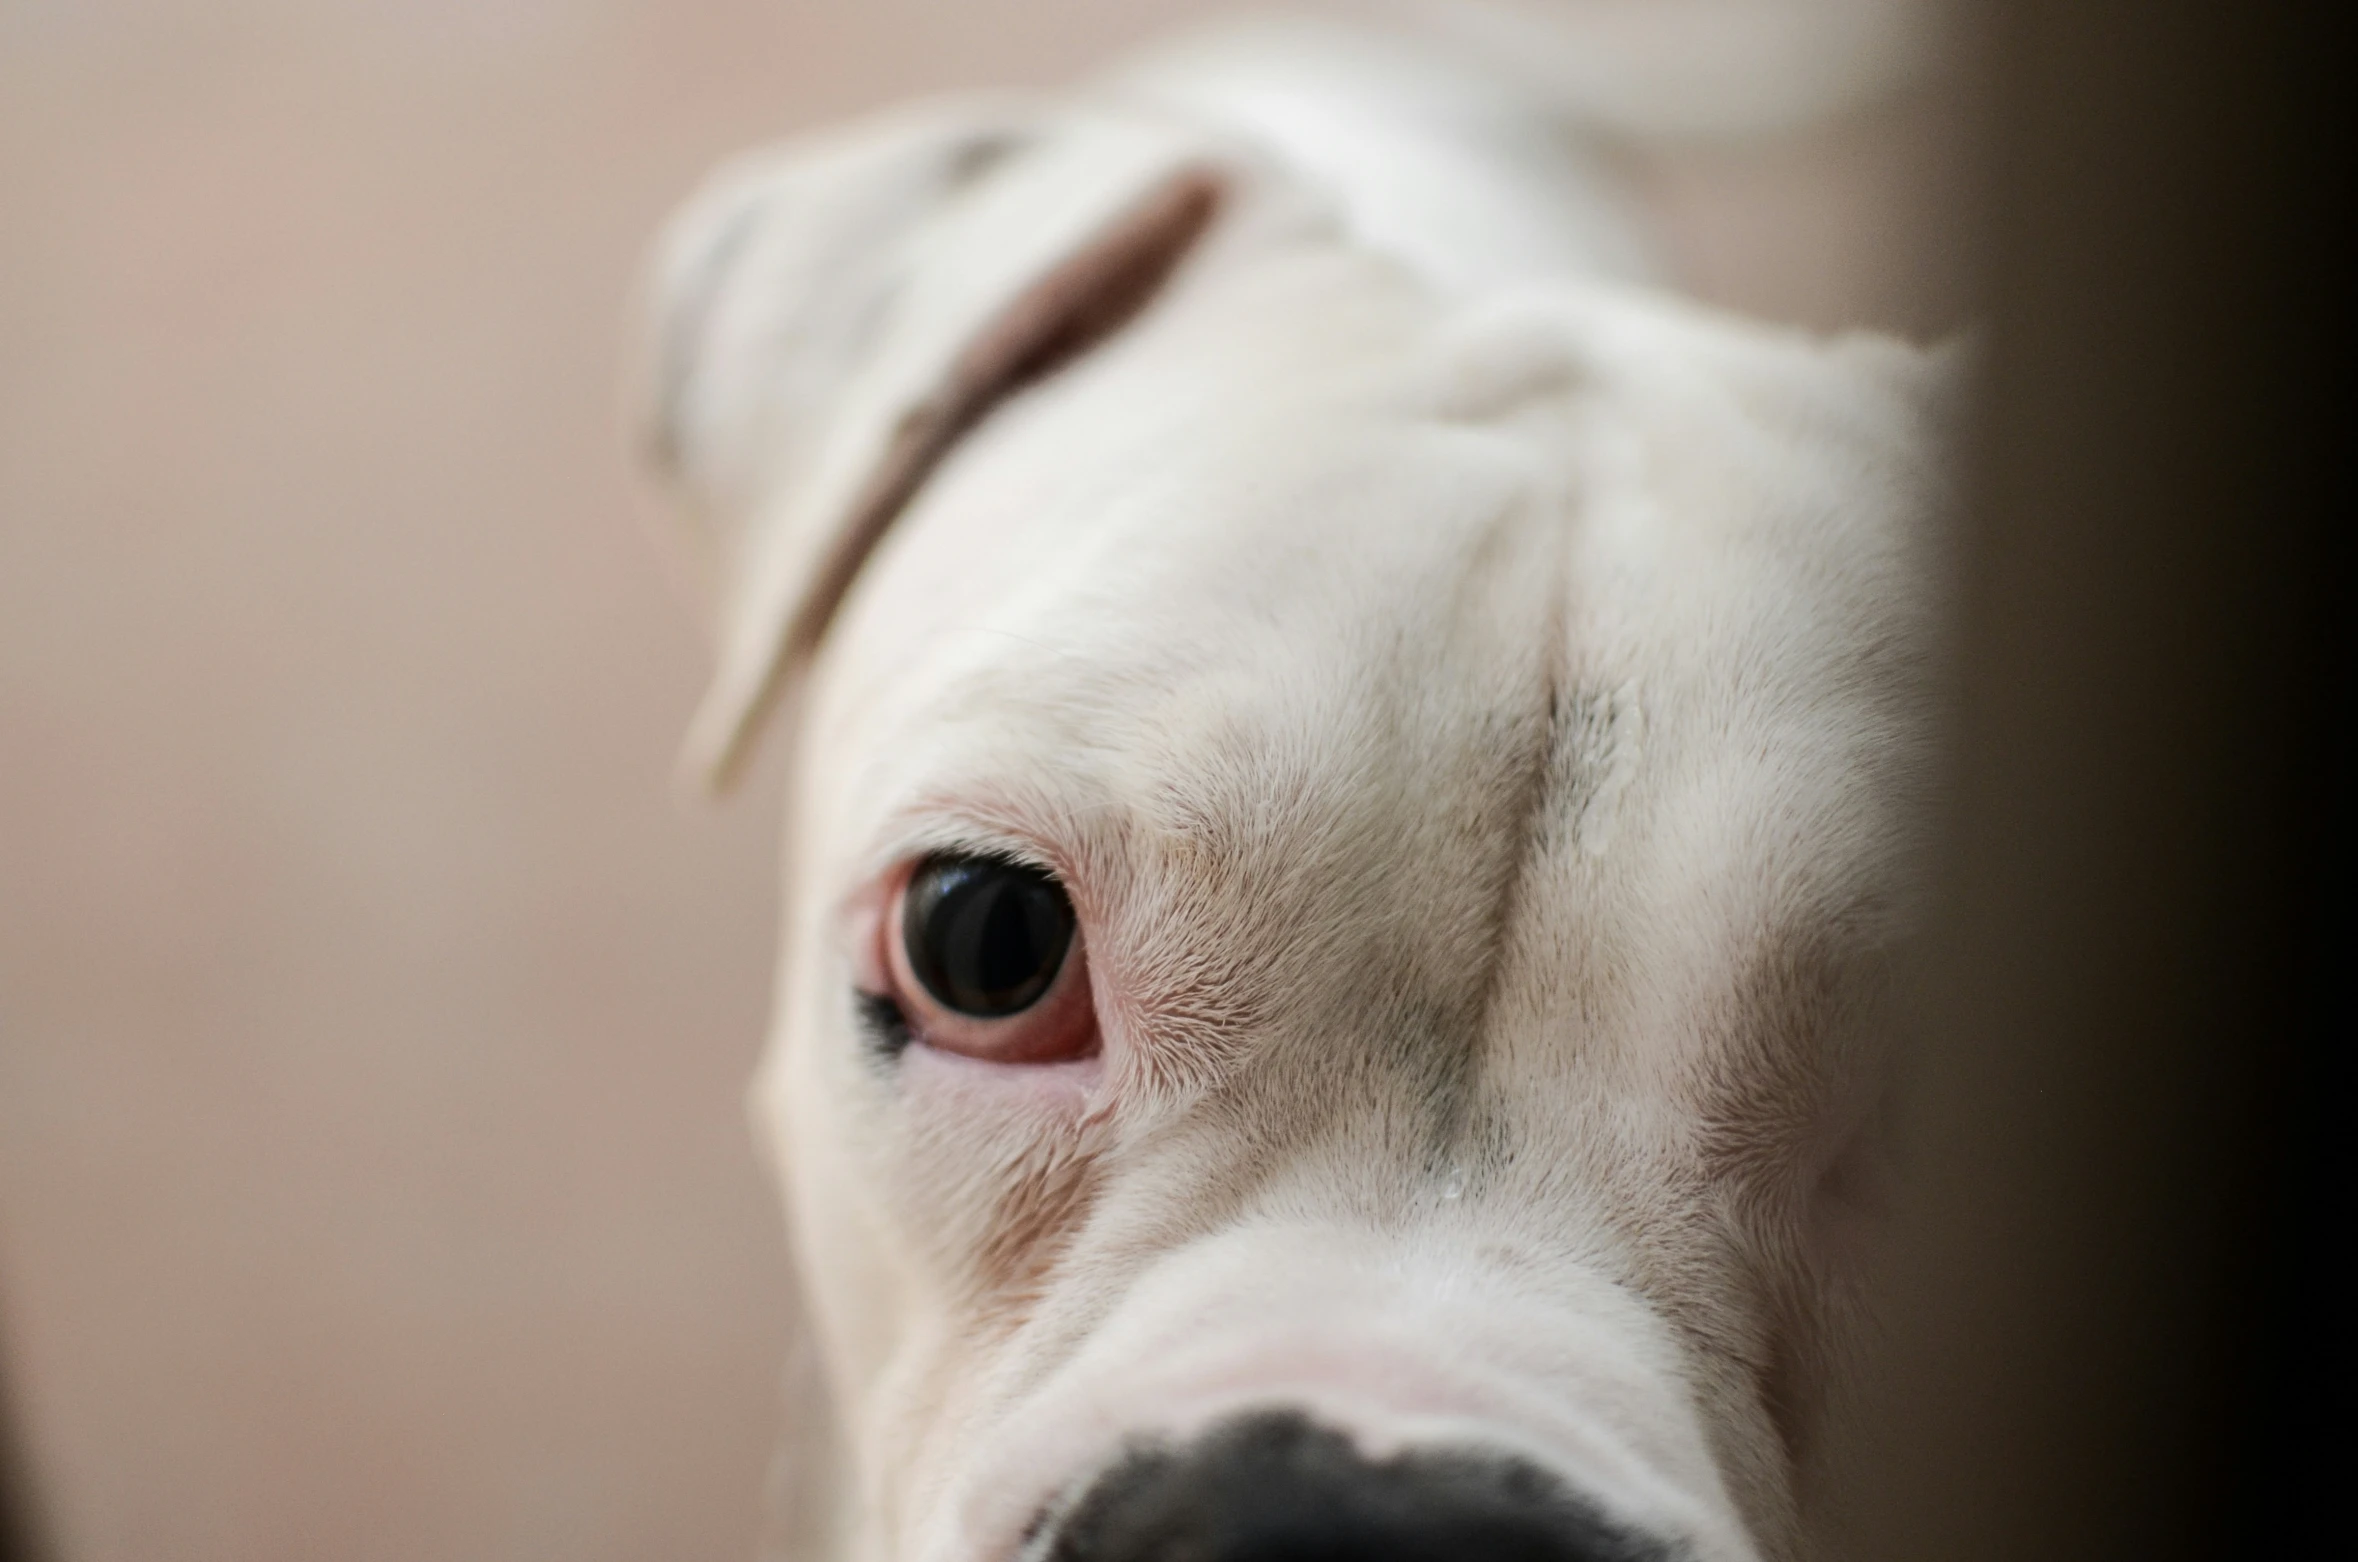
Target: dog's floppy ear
pixel 830 319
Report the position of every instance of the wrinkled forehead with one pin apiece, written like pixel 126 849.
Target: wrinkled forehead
pixel 1261 611
pixel 1128 604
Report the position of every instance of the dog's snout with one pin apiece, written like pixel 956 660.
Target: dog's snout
pixel 1277 1487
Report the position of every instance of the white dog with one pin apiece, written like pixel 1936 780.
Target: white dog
pixel 1355 768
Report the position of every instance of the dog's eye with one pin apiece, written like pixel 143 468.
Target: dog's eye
pixel 982 958
pixel 984 938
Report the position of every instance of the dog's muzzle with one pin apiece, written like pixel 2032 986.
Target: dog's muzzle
pixel 1276 1487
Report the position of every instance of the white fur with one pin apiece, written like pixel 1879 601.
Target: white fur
pixel 1476 706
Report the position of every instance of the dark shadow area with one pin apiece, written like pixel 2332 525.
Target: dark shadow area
pixel 20 1528
pixel 2114 1320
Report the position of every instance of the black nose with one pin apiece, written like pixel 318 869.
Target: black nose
pixel 1276 1487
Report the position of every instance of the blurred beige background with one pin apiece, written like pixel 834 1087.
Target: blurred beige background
pixel 373 1181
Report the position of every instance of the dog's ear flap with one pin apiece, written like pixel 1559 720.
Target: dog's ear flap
pixel 830 320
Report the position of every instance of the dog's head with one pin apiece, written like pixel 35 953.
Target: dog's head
pixel 1343 845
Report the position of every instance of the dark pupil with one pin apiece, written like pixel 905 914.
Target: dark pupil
pixel 985 937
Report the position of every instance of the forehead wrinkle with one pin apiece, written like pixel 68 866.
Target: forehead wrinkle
pixel 1527 824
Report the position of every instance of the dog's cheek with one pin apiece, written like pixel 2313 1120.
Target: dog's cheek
pixel 1850 1202
pixel 987 1168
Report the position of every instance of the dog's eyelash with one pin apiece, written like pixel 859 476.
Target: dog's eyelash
pixel 884 1024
